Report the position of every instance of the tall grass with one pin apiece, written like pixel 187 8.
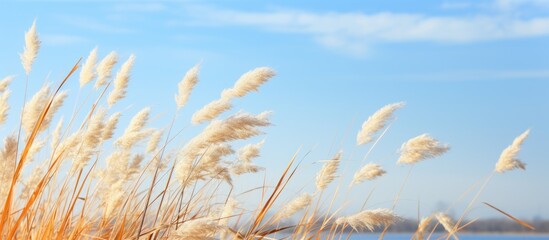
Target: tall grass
pixel 95 184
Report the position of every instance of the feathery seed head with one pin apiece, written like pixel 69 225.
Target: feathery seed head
pixel 87 74
pixel 376 122
pixel 420 148
pixel 186 86
pixel 370 171
pixel 369 219
pixel 121 81
pixel 508 158
pixel 104 69
pixel 295 206
pixel 32 45
pixel 327 173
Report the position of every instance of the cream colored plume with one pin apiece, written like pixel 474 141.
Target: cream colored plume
pixel 244 162
pixel 376 122
pixel 226 214
pixel 250 81
pixel 87 74
pixel 236 127
pixel 34 107
pixel 369 219
pixel 508 158
pixel 186 86
pixel 420 148
pixel 110 126
pixel 7 165
pixel 91 140
pixel 104 69
pixel 295 206
pixel 370 171
pixel 155 139
pixel 4 106
pixel 135 132
pixel 422 227
pixel 5 82
pixel 211 110
pixel 446 222
pixel 327 173
pixel 121 81
pixel 32 45
pixel 197 229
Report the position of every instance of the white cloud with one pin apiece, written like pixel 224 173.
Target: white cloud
pixel 473 75
pixel 353 31
pixel 94 25
pixel 62 39
pixel 514 4
pixel 140 7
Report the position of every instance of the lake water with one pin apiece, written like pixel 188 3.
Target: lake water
pixel 461 237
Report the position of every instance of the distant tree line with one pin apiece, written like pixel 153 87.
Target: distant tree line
pixel 496 225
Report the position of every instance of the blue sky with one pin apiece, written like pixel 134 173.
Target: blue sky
pixel 474 74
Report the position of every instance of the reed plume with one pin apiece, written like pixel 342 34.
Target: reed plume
pixel 32 45
pixel 197 229
pixel 446 222
pixel 327 173
pixel 508 158
pixel 211 110
pixel 5 82
pixel 87 74
pixel 135 132
pixel 186 86
pixel 420 148
pixel 370 171
pixel 376 122
pixel 244 162
pixel 228 209
pixel 121 81
pixel 4 106
pixel 91 140
pixel 7 165
pixel 249 81
pixel 155 139
pixel 422 227
pixel 110 126
pixel 294 206
pixel 369 219
pixel 104 69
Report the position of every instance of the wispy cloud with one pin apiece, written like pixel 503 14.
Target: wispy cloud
pixel 142 7
pixel 62 39
pixel 94 25
pixel 355 31
pixel 473 75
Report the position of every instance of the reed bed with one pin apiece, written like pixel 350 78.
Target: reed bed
pixel 139 184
